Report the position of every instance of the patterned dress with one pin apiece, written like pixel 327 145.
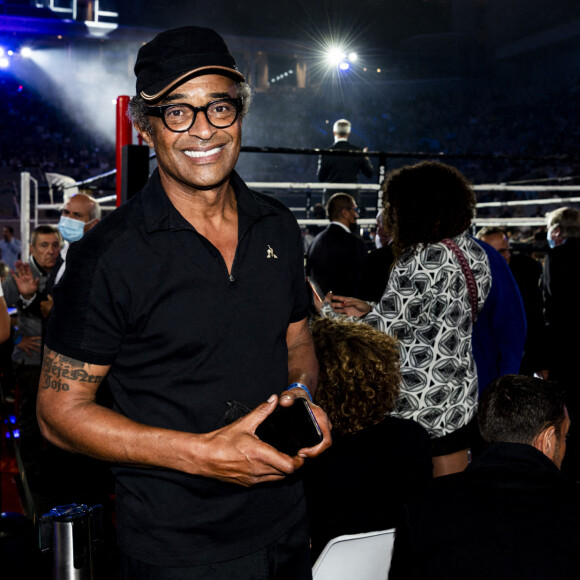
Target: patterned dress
pixel 427 307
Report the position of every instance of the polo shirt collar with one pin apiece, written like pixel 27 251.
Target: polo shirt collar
pixel 161 214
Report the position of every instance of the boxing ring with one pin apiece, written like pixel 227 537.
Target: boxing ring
pixel 298 196
pixel 301 192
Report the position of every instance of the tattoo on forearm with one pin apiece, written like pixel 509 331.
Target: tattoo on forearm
pixel 59 370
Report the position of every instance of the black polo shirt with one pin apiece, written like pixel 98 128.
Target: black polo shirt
pixel 145 293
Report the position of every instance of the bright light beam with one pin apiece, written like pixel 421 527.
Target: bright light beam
pixel 335 56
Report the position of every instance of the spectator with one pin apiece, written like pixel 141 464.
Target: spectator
pixel 376 460
pixel 560 285
pixel 383 236
pixel 23 290
pixel 439 283
pixel 511 513
pixel 163 299
pixel 342 168
pixel 528 274
pixel 499 332
pixel 10 247
pixel 80 214
pixel 376 266
pixel 335 256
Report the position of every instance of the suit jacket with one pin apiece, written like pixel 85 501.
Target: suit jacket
pixel 510 515
pixel 561 286
pixel 335 259
pixel 375 273
pixel 343 169
pixel 528 274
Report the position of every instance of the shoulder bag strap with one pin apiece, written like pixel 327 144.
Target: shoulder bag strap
pixel 469 277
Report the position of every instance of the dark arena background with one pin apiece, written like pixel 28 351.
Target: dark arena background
pixel 489 86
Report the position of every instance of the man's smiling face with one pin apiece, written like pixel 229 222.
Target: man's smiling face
pixel 204 156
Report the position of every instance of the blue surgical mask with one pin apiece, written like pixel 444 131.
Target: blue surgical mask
pixel 72 230
pixel 551 240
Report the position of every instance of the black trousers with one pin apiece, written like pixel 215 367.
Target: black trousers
pixel 288 558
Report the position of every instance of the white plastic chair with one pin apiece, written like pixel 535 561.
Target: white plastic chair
pixel 356 557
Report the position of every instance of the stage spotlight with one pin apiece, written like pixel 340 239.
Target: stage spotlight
pixel 26 52
pixel 1 52
pixel 335 56
pixel 344 66
pixel 353 57
pixel 4 62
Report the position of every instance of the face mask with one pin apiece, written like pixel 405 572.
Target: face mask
pixel 71 230
pixel 551 241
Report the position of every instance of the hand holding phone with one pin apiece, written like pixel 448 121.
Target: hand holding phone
pixel 287 429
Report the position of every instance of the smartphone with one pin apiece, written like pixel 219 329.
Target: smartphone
pixel 289 429
pixel 315 289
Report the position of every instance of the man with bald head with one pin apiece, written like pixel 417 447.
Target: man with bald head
pixel 80 208
pixel 79 214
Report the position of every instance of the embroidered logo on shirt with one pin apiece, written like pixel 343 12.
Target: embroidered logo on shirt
pixel 270 253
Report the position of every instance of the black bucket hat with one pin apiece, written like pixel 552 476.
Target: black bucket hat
pixel 176 55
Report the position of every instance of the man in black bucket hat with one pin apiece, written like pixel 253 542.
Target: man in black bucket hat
pixel 188 296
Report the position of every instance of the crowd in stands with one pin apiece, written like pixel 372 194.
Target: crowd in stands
pixel 514 121
pixel 403 365
pixel 38 138
pixel 524 121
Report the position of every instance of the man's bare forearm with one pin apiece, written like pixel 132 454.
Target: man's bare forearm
pixel 70 418
pixel 302 362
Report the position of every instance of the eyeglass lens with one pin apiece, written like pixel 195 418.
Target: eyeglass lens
pixel 181 117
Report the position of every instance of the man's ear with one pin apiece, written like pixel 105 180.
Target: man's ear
pixel 91 225
pixel 145 135
pixel 546 442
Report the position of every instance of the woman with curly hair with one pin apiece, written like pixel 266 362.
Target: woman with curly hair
pixel 437 286
pixel 360 483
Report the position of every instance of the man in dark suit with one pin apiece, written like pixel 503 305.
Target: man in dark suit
pixel 561 282
pixel 511 513
pixel 335 256
pixel 343 169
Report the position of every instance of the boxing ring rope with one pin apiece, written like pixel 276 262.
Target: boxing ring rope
pixel 288 186
pixel 124 137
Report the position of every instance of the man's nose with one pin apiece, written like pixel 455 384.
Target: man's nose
pixel 202 127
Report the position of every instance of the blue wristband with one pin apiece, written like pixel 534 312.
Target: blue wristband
pixel 300 386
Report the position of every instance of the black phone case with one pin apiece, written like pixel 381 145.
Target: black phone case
pixel 287 429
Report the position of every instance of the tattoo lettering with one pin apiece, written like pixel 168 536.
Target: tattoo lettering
pixel 58 370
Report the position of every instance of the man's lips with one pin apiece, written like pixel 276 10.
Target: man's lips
pixel 195 154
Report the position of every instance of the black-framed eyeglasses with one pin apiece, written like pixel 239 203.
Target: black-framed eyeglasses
pixel 180 117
